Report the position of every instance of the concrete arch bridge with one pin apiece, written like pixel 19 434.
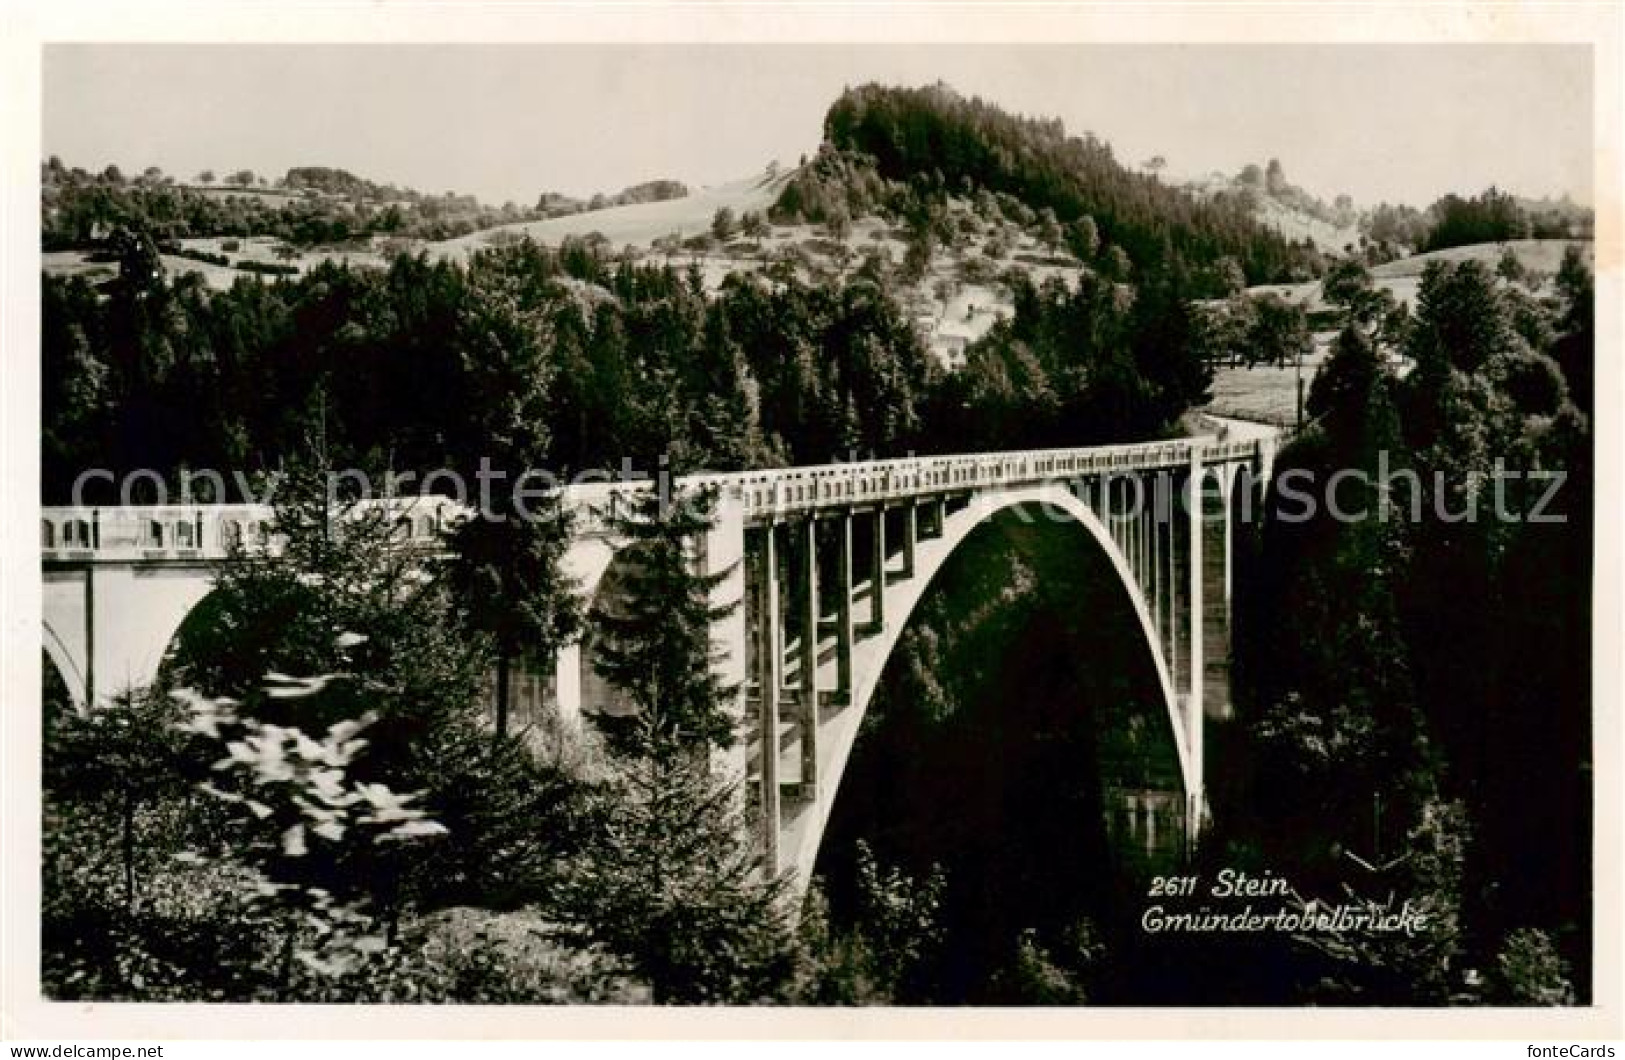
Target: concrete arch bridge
pixel 829 562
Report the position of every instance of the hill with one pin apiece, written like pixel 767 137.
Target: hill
pixel 637 224
pixel 1535 255
pixel 953 204
pixel 934 139
pixel 1539 257
pixel 1282 206
pixel 954 294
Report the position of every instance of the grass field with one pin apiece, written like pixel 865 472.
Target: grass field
pixel 641 223
pixel 1403 278
pixel 1264 394
pixel 1270 395
pixel 1540 255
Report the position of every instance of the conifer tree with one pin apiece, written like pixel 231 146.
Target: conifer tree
pixel 655 642
pixel 674 886
pixel 504 568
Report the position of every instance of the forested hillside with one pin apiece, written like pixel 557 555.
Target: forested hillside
pixel 932 139
pixel 635 357
pixel 1415 672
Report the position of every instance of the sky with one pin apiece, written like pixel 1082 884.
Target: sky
pixel 1380 122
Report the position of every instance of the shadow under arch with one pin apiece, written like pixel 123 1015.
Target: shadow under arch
pixel 1019 713
pixel 59 664
pixel 600 697
pixel 1052 501
pixel 197 642
pixel 56 689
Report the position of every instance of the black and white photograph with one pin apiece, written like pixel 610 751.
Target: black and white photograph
pixel 1047 525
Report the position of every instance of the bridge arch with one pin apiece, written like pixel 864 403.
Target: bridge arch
pixel 191 634
pixel 598 695
pixel 804 834
pixel 59 656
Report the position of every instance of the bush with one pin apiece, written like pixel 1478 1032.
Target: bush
pixel 200 255
pixel 723 225
pixel 478 957
pixel 268 268
pixel 1529 971
pixel 197 938
pixel 672 889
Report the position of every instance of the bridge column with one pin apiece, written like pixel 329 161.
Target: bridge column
pixel 1229 534
pixel 1194 703
pixel 1127 519
pixel 1137 542
pixel 1108 500
pixel 567 683
pixel 911 533
pixel 770 658
pixel 1171 592
pixel 722 552
pixel 1114 508
pixel 1129 529
pixel 1140 570
pixel 809 660
pixel 1218 535
pixel 1154 555
pixel 843 607
pixel 877 583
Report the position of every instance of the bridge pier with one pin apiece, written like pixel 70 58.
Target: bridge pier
pixel 567 683
pixel 769 658
pixel 1195 713
pixel 1217 527
pixel 108 626
pixel 808 595
pixel 844 632
pixel 911 533
pixel 877 577
pixel 1153 554
pixel 721 552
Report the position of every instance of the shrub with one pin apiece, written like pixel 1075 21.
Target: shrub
pixel 672 889
pixel 268 268
pixel 1529 971
pixel 322 851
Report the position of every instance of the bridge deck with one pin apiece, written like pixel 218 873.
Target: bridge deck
pixel 169 533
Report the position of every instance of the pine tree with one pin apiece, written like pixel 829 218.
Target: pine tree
pixel 1342 387
pixel 672 885
pixel 655 642
pixel 504 571
pixel 504 567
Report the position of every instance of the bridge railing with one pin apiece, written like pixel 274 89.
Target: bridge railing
pixel 179 532
pixel 789 491
pixel 209 531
